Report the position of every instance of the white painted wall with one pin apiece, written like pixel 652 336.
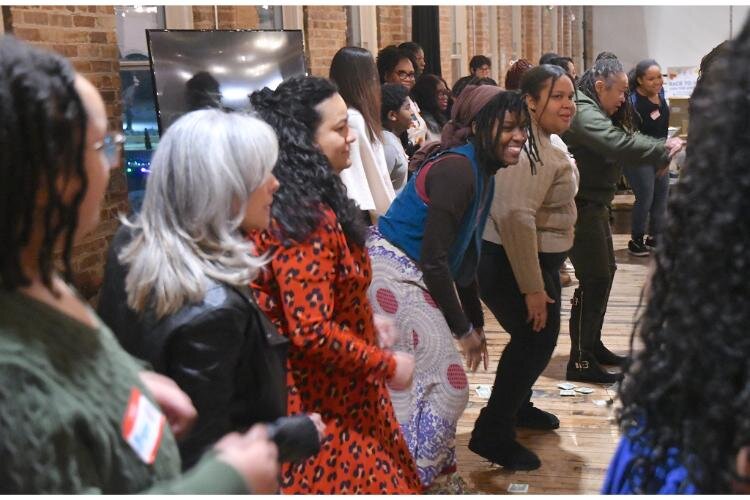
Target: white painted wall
pixel 673 35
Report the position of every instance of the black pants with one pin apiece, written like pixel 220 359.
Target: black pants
pixel 593 256
pixel 528 352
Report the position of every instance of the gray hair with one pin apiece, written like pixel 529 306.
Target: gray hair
pixel 187 233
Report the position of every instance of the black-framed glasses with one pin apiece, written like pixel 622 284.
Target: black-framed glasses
pixel 111 146
pixel 403 75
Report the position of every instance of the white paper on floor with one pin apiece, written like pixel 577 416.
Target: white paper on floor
pixel 567 392
pixel 484 391
pixel 566 386
pixel 584 390
pixel 518 488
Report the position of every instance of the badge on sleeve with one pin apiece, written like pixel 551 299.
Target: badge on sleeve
pixel 142 426
pixel 655 114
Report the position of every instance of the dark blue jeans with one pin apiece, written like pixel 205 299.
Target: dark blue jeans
pixel 651 193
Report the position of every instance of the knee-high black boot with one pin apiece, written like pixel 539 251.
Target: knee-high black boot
pixel 603 355
pixel 588 307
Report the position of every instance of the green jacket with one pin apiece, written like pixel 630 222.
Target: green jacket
pixel 600 148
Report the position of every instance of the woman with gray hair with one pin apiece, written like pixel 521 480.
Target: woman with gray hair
pixel 176 292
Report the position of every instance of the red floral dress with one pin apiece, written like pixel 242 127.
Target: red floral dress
pixel 315 292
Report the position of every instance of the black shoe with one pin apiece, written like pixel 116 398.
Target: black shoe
pixel 532 417
pixel 587 369
pixel 637 248
pixel 510 454
pixel 650 243
pixel 606 357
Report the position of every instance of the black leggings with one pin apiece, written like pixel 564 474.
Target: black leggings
pixel 528 352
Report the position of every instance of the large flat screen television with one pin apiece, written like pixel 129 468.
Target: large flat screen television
pixel 193 69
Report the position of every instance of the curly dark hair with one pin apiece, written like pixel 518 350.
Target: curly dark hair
pixel 465 81
pixel 478 61
pixel 305 176
pixel 42 138
pixel 515 73
pixel 689 388
pixel 424 92
pixel 605 68
pixel 393 97
pixel 389 57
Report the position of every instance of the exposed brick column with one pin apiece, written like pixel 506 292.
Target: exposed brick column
pixel 547 44
pixel 394 25
pixel 229 17
pixel 86 35
pixel 505 42
pixel 446 44
pixel 325 32
pixel 531 23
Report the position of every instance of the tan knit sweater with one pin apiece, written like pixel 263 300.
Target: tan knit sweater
pixel 534 213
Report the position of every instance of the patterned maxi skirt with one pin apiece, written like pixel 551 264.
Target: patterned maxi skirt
pixel 429 410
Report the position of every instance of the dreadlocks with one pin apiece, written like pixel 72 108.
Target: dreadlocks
pixel 604 69
pixel 42 135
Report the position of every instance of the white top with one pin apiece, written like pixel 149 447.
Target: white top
pixel 367 181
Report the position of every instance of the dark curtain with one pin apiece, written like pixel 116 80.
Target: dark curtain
pixel 425 30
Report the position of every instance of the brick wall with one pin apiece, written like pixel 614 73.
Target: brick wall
pixel 584 13
pixel 229 17
pixel 477 30
pixel 505 40
pixel 530 33
pixel 394 24
pixel 547 44
pixel 446 44
pixel 325 32
pixel 86 35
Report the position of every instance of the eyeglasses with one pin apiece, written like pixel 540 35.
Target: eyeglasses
pixel 111 146
pixel 403 75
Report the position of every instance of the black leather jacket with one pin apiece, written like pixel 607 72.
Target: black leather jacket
pixel 223 352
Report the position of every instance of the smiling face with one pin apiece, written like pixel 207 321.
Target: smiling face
pixel 611 92
pixel 555 108
pixel 442 93
pixel 512 138
pixel 651 82
pixel 333 135
pixel 403 74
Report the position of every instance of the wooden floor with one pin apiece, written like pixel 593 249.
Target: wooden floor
pixel 575 456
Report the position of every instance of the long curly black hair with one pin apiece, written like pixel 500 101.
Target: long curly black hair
pixel 42 139
pixel 305 176
pixel 425 93
pixel 689 388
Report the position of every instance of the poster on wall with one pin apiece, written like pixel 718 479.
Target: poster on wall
pixel 680 81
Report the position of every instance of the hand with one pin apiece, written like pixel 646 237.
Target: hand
pixel 254 457
pixel 536 305
pixel 319 425
pixel 674 145
pixel 387 331
pixel 402 378
pixel 474 348
pixel 174 403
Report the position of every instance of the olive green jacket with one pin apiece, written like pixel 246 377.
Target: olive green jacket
pixel 600 148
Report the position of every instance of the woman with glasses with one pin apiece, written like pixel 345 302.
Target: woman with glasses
pixel 175 285
pixel 367 181
pixel 432 95
pixel 396 66
pixel 77 413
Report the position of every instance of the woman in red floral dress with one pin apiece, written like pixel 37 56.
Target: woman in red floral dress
pixel 315 290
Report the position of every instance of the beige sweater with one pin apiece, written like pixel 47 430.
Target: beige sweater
pixel 534 213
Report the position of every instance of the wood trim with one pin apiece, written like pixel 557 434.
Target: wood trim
pixel 293 17
pixel 368 28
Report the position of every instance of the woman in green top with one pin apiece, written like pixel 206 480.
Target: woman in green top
pixel 77 414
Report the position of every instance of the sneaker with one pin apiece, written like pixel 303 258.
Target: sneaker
pixel 650 243
pixel 637 248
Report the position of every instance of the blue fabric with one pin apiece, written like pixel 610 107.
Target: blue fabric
pixel 623 479
pixel 403 224
pixel 651 194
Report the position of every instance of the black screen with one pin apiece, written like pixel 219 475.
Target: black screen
pixel 194 69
